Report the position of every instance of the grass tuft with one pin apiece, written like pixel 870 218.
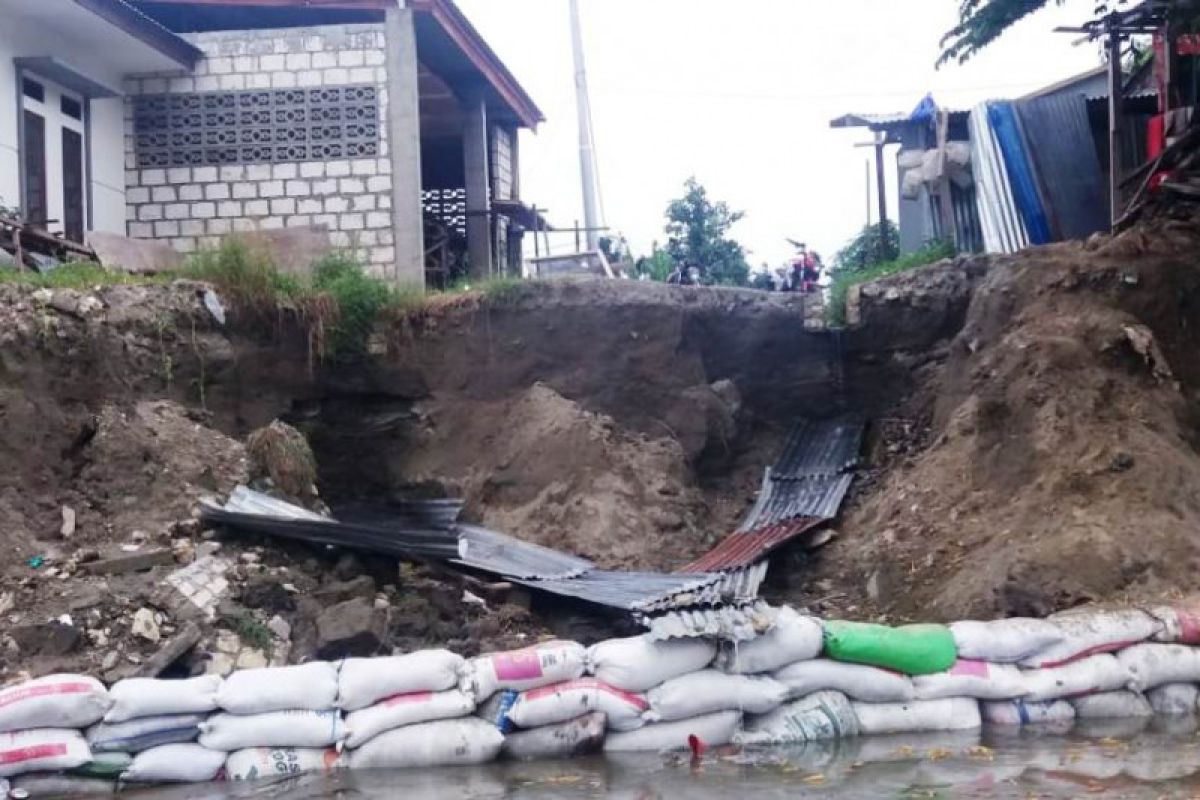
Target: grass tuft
pixel 843 279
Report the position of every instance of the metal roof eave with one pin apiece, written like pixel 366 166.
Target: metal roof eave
pixel 133 22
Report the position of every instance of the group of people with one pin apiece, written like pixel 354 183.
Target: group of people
pixel 802 274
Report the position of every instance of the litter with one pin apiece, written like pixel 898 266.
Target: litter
pixel 918 716
pixel 256 763
pixel 142 734
pixel 175 763
pixel 150 697
pixel 857 681
pixel 581 736
pixel 1004 641
pixel 817 717
pixel 709 691
pixel 312 687
pixel 912 649
pixel 298 728
pixel 405 709
pixel 365 681
pixel 55 701
pixel 44 750
pixel 638 664
pixel 713 730
pixel 518 670
pixel 976 679
pixel 451 742
pixel 563 702
pixel 794 637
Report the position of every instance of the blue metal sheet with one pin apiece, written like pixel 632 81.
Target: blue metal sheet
pixel 1063 150
pixel 1003 120
pixel 1003 229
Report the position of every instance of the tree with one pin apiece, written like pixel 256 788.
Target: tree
pixel 657 266
pixel 865 250
pixel 698 231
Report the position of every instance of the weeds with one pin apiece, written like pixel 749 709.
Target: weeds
pixel 253 633
pixel 79 275
pixel 843 279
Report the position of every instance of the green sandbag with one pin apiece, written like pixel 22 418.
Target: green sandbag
pixel 911 649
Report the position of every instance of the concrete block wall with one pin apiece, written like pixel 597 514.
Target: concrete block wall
pixel 193 207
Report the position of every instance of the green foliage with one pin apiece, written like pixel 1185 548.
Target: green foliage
pixel 244 273
pixel 81 275
pixel 360 300
pixel 869 247
pixel 698 231
pixel 252 632
pixel 843 278
pixel 658 265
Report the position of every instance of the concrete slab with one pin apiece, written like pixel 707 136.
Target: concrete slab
pixel 138 256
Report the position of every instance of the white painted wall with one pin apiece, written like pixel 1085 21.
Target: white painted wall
pixel 10 176
pixel 108 165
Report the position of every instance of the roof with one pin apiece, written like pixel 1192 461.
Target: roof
pixel 1066 83
pixel 124 16
pixel 880 121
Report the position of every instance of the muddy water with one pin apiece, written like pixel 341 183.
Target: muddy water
pixel 1125 759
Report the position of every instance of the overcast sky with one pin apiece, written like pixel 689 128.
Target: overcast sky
pixel 740 95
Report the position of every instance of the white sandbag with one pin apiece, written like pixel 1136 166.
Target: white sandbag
pixel 175 763
pixel 1112 705
pixel 578 737
pixel 365 681
pixel 1004 641
pixel 1180 624
pixel 856 681
pixel 712 730
pixel 1102 673
pixel 133 698
pixel 300 728
pixel 918 716
pixel 448 742
pixel 709 691
pixel 1152 665
pixel 1087 633
pixel 1174 699
pixel 1023 712
pixel 256 763
pixel 44 750
pixel 540 665
pixel 977 679
pixel 638 664
pixel 793 637
pixel 313 687
pixel 142 734
pixel 55 701
pixel 566 701
pixel 49 784
pixel 406 709
pixel 495 709
pixel 818 717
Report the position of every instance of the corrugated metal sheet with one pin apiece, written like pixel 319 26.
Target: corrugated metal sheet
pixel 783 500
pixel 1003 228
pixel 737 623
pixel 1068 167
pixel 489 551
pixel 744 548
pixel 819 449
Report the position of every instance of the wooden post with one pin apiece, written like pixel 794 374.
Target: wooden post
pixel 1116 120
pixel 578 243
pixel 880 141
pixel 537 247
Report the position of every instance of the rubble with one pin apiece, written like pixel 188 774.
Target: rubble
pixel 145 625
pixel 353 628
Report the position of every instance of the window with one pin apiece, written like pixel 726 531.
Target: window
pixel 33 90
pixel 71 107
pixel 36 204
pixel 72 172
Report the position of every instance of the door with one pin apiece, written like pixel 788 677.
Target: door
pixel 54 148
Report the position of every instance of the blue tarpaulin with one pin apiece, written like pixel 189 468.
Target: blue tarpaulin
pixel 1003 119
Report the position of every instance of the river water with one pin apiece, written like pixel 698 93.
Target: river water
pixel 1157 758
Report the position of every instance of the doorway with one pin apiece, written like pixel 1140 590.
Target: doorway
pixel 54 145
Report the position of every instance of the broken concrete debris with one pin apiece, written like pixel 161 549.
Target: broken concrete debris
pixel 135 561
pixel 145 625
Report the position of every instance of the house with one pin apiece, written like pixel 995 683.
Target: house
pixel 390 122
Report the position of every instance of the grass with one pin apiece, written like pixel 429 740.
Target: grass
pixel 843 279
pixel 80 275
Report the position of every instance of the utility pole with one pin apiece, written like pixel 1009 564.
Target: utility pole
pixel 587 151
pixel 1116 119
pixel 881 141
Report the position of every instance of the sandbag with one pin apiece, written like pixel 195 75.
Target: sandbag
pixel 1024 712
pixel 142 734
pixel 713 730
pixel 1152 665
pixel 540 665
pixel 1101 673
pixel 49 784
pixel 1087 633
pixel 44 750
pixel 175 763
pixel 298 728
pixel 55 701
pixel 566 701
pixel 406 709
pixel 495 710
pixel 1004 641
pixel 911 649
pixel 818 717
pixel 363 682
pixel 1112 705
pixel 134 698
pixel 857 681
pixel 709 691
pixel 256 763
pixel 577 737
pixel 312 687
pixel 1174 699
pixel 976 679
pixel 793 637
pixel 918 716
pixel 1180 624
pixel 108 766
pixel 638 664
pixel 448 742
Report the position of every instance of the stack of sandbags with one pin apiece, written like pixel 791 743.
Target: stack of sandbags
pixel 40 721
pixel 149 734
pixel 412 710
pixel 277 720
